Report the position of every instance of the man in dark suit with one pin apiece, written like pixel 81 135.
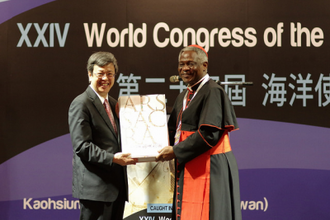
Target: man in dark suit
pixel 99 167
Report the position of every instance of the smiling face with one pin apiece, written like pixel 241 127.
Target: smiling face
pixel 190 69
pixel 102 85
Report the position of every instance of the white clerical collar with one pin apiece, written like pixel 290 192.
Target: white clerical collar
pixel 202 82
pixel 206 78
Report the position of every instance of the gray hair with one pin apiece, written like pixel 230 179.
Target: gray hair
pixel 201 56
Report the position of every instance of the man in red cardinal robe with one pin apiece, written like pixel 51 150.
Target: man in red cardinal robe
pixel 207 182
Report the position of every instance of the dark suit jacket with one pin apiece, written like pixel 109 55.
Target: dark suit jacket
pixel 94 142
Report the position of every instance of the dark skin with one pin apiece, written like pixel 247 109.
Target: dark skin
pixel 190 71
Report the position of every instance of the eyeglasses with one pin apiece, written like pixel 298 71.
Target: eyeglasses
pixel 108 75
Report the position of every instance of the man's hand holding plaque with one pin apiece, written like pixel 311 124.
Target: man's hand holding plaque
pixel 165 154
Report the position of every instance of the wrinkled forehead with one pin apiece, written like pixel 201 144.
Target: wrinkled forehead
pixel 187 56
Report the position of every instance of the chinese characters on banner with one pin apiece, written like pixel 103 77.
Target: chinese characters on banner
pixel 276 89
pixel 302 89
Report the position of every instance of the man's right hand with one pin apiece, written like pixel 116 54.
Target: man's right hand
pixel 165 154
pixel 123 159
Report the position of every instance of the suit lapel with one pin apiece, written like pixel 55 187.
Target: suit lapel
pixel 100 108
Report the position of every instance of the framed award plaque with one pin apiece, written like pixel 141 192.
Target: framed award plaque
pixel 143 125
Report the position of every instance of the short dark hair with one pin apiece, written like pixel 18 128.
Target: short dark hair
pixel 101 59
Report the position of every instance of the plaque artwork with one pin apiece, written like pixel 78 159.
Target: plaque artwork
pixel 143 125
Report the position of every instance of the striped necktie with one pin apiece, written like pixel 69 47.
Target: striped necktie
pixel 109 112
